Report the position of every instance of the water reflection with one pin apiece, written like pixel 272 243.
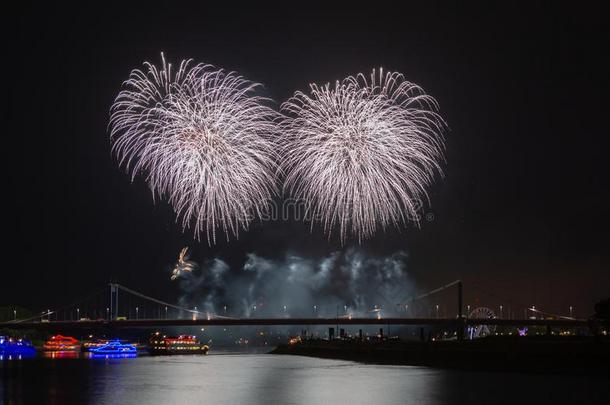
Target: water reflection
pixel 17 356
pixel 262 379
pixel 61 354
pixel 112 356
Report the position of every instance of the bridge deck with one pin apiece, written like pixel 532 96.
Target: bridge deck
pixel 448 322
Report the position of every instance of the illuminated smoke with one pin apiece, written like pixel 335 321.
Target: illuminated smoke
pixel 349 282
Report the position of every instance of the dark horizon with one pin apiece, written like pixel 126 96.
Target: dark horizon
pixel 521 212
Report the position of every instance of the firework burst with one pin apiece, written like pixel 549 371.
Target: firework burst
pixel 362 152
pixel 183 265
pixel 202 139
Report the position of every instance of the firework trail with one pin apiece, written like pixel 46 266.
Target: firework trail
pixel 202 140
pixel 183 264
pixel 362 152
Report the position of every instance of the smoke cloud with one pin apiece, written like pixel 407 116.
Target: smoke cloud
pixel 348 282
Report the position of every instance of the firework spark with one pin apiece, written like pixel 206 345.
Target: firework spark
pixel 183 264
pixel 202 139
pixel 362 152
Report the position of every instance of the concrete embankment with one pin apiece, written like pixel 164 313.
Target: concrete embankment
pixel 536 354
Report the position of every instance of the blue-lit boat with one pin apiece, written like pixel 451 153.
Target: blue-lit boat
pixel 114 347
pixel 16 347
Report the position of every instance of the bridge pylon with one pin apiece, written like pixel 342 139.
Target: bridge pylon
pixel 114 301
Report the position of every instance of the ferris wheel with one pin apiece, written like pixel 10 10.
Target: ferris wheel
pixel 478 331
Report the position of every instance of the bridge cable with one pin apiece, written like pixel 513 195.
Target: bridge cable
pixel 167 304
pixel 451 284
pixel 58 309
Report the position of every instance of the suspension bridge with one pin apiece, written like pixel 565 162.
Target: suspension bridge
pixel 137 310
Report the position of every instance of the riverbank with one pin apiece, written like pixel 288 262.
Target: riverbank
pixel 582 355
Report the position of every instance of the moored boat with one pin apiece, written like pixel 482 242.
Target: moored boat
pixel 16 347
pixel 114 347
pixel 170 345
pixel 88 345
pixel 59 343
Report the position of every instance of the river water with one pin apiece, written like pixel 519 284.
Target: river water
pixel 274 379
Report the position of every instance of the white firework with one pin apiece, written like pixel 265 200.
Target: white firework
pixel 361 153
pixel 202 139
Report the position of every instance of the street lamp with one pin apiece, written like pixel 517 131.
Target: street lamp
pixel 15 313
pixel 78 314
pixel 501 311
pixel 437 310
pixel 108 313
pixel 165 312
pixel 137 313
pixel 571 312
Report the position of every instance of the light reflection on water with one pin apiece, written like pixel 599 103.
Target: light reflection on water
pixel 112 356
pixel 16 356
pixel 61 354
pixel 263 379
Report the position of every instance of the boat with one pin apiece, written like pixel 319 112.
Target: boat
pixel 16 347
pixel 114 347
pixel 59 343
pixel 169 345
pixel 92 344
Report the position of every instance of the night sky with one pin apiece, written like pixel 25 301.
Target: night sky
pixel 522 212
